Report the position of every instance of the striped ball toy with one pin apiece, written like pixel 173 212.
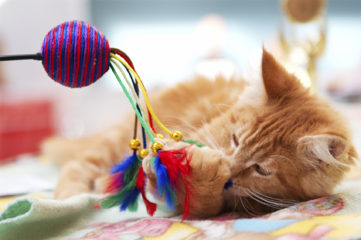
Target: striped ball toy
pixel 75 54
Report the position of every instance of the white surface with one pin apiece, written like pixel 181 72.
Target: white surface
pixel 27 175
pixel 16 185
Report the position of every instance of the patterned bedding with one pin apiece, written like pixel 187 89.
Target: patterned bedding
pixel 37 216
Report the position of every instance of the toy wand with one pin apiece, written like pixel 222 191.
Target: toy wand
pixel 75 54
pixel 36 56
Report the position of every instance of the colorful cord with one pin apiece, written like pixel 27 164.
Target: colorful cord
pixel 172 170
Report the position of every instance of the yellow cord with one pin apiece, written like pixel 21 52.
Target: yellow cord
pixel 160 124
pixel 136 98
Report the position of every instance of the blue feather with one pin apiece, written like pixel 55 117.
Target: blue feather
pixel 130 199
pixel 163 183
pixel 126 164
pixel 169 199
pixel 162 175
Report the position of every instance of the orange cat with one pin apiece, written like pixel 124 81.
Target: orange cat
pixel 279 144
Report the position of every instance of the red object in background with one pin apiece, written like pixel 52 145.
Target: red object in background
pixel 23 126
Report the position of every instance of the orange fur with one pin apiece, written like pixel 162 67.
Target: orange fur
pixel 288 146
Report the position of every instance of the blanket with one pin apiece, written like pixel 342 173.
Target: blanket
pixel 330 217
pixel 37 216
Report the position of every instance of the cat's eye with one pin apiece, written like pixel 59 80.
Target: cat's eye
pixel 260 170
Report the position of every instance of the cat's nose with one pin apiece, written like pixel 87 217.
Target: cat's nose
pixel 228 184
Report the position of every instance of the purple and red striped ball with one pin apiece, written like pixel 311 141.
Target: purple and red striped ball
pixel 75 54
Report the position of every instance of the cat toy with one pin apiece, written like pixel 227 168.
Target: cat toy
pixel 75 54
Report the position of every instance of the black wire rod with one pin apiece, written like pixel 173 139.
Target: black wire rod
pixel 36 56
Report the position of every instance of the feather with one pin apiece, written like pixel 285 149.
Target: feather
pixel 140 184
pixel 151 207
pixel 177 165
pixel 115 183
pixel 163 182
pixel 124 165
pixel 122 185
pixel 130 200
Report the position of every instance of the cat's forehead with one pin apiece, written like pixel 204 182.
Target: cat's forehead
pixel 282 125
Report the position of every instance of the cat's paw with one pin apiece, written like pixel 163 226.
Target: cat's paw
pixel 210 171
pixel 70 189
pixel 147 166
pixel 209 165
pixel 75 178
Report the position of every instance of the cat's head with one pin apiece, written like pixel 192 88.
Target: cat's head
pixel 297 147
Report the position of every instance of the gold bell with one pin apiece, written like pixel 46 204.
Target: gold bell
pixel 156 146
pixel 176 136
pixel 143 153
pixel 134 144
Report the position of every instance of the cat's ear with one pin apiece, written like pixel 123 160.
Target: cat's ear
pixel 324 147
pixel 277 81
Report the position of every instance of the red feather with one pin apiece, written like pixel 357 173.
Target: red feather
pixel 115 183
pixel 179 171
pixel 140 185
pixel 151 207
pixel 140 180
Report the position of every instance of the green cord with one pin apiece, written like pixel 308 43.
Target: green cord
pixel 135 97
pixel 141 120
pixel 193 142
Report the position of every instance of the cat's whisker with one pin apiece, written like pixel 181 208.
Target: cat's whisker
pixel 263 198
pixel 273 200
pixel 243 206
pixel 251 209
pixel 236 202
pixel 270 201
pixel 288 201
pixel 277 204
pixel 266 202
pixel 246 209
pixel 242 200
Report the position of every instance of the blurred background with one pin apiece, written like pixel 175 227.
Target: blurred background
pixel 169 42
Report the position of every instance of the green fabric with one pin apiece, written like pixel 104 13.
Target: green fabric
pixel 38 219
pixel 18 208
